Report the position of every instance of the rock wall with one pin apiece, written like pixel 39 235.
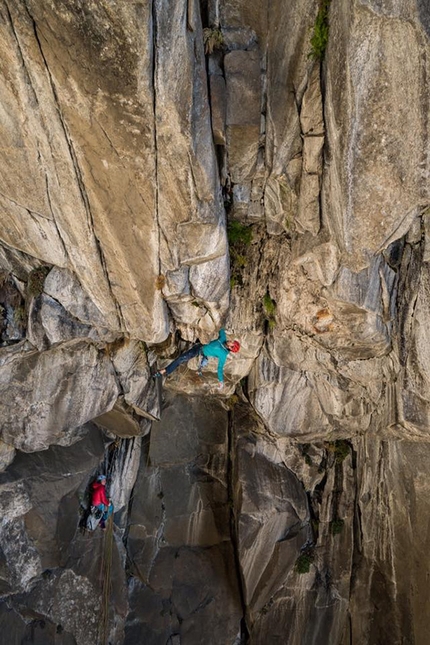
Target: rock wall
pixel 169 168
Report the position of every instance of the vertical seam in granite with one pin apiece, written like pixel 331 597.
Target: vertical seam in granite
pixel 78 173
pixel 233 526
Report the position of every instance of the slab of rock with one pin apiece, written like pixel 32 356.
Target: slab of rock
pixel 272 516
pixel 242 74
pixel 189 207
pixel 288 65
pixel 48 393
pixel 285 401
pixel 218 107
pixel 50 203
pixel 312 157
pixel 7 454
pixel 392 475
pixel 308 212
pixel 414 385
pixel 100 117
pixel 64 287
pixel 352 317
pixel 311 110
pixel 50 324
pixel 125 466
pixel 307 405
pixel 371 189
pixel 122 422
pixel 280 205
pixel 179 542
pixel 132 367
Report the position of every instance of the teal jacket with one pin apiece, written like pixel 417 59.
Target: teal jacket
pixel 217 349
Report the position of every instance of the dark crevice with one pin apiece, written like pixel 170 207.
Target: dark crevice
pixel 407 295
pixel 313 517
pixel 204 13
pixel 231 476
pixel 319 489
pixel 357 527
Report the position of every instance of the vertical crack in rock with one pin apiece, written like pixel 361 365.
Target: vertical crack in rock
pixel 161 232
pixel 159 534
pixel 425 111
pixel 21 55
pixel 78 173
pixel 154 35
pixel 233 525
pixel 216 526
pixel 48 195
pixel 324 125
pixel 357 554
pixel 407 295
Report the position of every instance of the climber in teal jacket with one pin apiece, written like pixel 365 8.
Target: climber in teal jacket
pixel 219 348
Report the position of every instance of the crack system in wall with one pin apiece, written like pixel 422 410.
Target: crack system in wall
pixel 79 179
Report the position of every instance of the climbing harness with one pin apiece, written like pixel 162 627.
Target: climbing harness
pixel 94 517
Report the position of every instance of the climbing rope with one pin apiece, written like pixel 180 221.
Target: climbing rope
pixel 107 549
pixel 106 574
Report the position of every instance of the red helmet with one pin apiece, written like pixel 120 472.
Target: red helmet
pixel 234 346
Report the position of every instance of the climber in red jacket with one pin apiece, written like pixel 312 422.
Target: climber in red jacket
pixel 99 497
pixel 100 500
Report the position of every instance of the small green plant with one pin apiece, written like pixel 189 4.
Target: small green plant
pixel 240 260
pixel 19 315
pixel 212 39
pixel 36 279
pixel 304 561
pixel 336 526
pixel 237 232
pixel 340 448
pixel 269 307
pixel 232 401
pixel 239 238
pixel 271 323
pixel 319 38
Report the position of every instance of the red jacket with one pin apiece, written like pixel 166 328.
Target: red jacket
pixel 99 494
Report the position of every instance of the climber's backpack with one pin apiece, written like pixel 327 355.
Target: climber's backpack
pixel 93 519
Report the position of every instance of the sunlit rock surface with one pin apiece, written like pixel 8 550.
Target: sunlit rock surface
pixel 168 169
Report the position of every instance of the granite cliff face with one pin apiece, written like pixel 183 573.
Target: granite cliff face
pixel 169 168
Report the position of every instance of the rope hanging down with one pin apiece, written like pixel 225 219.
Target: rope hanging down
pixel 106 572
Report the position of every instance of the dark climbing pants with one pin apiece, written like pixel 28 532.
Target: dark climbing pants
pixel 184 358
